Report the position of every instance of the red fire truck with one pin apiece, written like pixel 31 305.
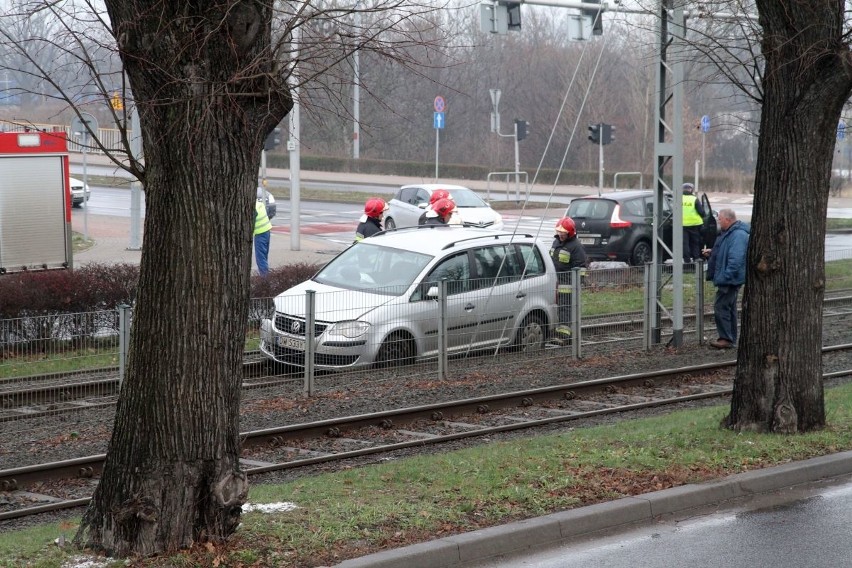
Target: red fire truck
pixel 35 202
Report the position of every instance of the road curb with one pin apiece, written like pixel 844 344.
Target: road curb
pixel 550 530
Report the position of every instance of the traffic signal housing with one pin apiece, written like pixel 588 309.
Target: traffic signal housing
pixel 273 139
pixel 596 14
pixel 521 129
pixel 607 134
pixel 595 133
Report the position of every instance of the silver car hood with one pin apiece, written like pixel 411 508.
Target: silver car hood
pixel 333 304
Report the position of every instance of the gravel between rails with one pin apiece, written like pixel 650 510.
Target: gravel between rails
pixel 74 435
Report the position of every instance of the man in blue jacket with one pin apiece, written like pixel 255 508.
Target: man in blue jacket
pixel 727 269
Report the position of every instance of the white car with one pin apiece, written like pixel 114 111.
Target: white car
pixel 80 192
pixel 376 302
pixel 411 201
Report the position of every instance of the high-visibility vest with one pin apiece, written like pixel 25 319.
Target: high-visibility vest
pixel 691 218
pixel 261 220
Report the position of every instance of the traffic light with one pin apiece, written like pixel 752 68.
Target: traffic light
pixel 273 139
pixel 521 129
pixel 595 133
pixel 513 10
pixel 607 134
pixel 596 14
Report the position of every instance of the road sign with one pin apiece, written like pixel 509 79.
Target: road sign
pixel 705 123
pixel 440 104
pixel 439 121
pixel 79 128
pixel 841 130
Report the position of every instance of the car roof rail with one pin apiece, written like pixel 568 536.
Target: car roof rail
pixel 411 228
pixel 495 237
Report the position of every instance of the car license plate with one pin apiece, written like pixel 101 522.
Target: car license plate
pixel 291 342
pixel 589 241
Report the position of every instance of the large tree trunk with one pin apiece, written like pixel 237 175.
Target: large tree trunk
pixel 203 81
pixel 778 385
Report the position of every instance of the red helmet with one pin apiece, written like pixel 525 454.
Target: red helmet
pixel 375 207
pixel 443 207
pixel 566 225
pixel 439 194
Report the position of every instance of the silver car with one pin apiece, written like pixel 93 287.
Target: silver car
pixel 376 302
pixel 411 201
pixel 80 192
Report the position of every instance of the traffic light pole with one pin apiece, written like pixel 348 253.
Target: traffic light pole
pixel 600 165
pixel 517 167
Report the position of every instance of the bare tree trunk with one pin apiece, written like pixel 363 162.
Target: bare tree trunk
pixel 778 385
pixel 202 78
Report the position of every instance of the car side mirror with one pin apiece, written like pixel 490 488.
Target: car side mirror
pixel 432 292
pixel 422 205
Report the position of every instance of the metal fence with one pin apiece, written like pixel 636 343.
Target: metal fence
pixel 325 342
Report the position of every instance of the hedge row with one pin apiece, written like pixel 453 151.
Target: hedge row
pixel 96 287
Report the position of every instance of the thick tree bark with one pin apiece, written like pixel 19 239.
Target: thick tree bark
pixel 208 95
pixel 778 385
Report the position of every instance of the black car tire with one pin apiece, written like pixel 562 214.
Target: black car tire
pixel 397 349
pixel 642 253
pixel 390 224
pixel 532 335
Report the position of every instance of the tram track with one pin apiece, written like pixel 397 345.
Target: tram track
pixel 59 485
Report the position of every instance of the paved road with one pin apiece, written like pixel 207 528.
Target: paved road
pixel 795 527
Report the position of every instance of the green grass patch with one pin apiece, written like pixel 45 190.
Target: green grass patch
pixel 361 510
pixel 79 243
pixel 835 224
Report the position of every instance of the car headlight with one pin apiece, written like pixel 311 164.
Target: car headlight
pixel 349 329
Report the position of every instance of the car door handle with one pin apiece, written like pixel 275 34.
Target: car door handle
pixel 521 295
pixel 468 307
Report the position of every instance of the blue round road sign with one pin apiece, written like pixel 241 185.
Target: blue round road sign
pixel 440 104
pixel 705 123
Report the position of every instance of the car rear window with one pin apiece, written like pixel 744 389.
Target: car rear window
pixel 599 209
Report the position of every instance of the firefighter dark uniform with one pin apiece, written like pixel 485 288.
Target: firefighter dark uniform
pixel 567 254
pixel 371 222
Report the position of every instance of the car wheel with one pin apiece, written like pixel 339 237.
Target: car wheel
pixel 531 335
pixel 641 254
pixel 390 224
pixel 397 349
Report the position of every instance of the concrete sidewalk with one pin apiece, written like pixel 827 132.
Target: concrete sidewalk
pixel 550 530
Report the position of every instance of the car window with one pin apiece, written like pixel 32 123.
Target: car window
pixel 421 197
pixel 533 263
pixel 454 269
pixel 495 265
pixel 634 207
pixel 598 209
pixel 379 269
pixel 406 194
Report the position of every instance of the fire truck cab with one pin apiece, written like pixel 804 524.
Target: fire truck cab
pixel 35 202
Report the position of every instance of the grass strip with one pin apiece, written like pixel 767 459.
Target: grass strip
pixel 354 512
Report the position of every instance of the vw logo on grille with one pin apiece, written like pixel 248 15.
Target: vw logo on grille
pixel 296 327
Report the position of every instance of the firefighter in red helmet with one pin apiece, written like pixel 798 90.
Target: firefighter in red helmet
pixel 443 209
pixel 436 196
pixel 567 254
pixel 371 220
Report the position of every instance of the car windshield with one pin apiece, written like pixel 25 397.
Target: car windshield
pixel 382 270
pixel 467 198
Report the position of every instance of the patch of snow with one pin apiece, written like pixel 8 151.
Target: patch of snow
pixel 269 507
pixel 86 562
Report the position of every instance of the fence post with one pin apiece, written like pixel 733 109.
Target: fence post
pixel 442 330
pixel 310 313
pixel 699 300
pixel 648 305
pixel 576 311
pixel 123 339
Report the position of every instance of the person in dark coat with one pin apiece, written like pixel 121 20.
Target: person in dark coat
pixel 371 220
pixel 436 196
pixel 443 210
pixel 567 254
pixel 727 270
